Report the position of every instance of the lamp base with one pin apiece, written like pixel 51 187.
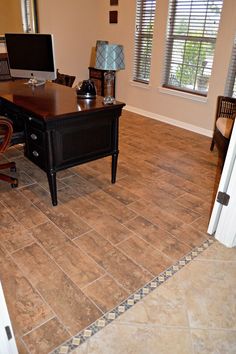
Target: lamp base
pixel 109 79
pixel 109 100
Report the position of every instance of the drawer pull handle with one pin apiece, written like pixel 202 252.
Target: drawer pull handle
pixel 33 136
pixel 35 153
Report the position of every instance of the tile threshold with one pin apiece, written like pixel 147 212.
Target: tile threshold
pixel 80 338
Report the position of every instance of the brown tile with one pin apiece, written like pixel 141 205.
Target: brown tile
pixel 156 215
pixel 80 268
pixel 112 229
pixel 174 208
pixel 46 337
pixel 66 300
pixel 15 241
pixel 111 206
pixel 122 195
pixel 201 224
pixel 159 238
pixel 12 234
pixel 94 244
pixel 80 185
pixel 81 206
pixel 194 203
pixel 26 307
pixel 106 293
pixel 21 346
pixel 186 186
pixel 124 270
pixel 22 209
pixel 145 255
pixel 189 235
pixel 63 217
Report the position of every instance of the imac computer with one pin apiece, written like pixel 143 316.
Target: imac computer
pixel 31 56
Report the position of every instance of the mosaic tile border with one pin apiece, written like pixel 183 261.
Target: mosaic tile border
pixel 110 316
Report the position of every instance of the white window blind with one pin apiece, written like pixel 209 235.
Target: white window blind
pixel 192 32
pixel 145 15
pixel 230 89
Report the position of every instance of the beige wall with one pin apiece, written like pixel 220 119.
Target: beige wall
pixel 74 24
pixel 10 16
pixel 77 24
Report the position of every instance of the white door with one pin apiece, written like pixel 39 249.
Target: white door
pixel 7 340
pixel 223 217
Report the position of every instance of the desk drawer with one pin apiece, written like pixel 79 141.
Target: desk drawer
pixel 37 155
pixel 36 137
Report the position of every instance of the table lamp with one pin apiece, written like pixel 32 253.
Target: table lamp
pixel 109 57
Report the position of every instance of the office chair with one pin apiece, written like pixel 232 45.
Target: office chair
pixel 225 116
pixel 64 79
pixel 7 138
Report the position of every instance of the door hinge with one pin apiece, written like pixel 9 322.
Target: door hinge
pixel 8 332
pixel 223 198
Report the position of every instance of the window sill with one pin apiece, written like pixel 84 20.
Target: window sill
pixel 186 95
pixel 139 84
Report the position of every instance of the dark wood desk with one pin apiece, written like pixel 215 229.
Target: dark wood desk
pixel 62 131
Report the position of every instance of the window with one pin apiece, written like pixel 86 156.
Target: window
pixel 145 15
pixel 230 89
pixel 192 33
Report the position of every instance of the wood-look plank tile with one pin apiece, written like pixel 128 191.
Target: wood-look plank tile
pixel 63 217
pixel 111 206
pixel 26 307
pixel 22 209
pixel 94 244
pixel 189 235
pixel 46 337
pixel 106 293
pixel 82 207
pixel 112 229
pixel 80 268
pixel 80 185
pixel 67 301
pixel 158 238
pixel 194 203
pixel 186 186
pixel 123 195
pixel 129 274
pixel 181 212
pixel 156 215
pixel 145 255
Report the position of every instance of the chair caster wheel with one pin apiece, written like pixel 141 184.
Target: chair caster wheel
pixel 13 169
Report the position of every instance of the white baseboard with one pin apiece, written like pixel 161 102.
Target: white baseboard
pixel 171 121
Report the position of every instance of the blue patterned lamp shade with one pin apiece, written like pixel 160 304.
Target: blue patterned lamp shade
pixel 110 57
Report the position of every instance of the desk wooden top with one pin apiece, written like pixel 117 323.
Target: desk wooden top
pixel 50 101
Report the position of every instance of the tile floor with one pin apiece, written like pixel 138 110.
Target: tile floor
pixel 62 268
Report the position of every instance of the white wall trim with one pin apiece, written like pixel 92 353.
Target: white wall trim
pixel 170 121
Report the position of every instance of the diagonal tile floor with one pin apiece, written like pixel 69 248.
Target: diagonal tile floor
pixel 192 312
pixel 64 267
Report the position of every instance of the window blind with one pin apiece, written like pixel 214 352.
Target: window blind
pixel 145 15
pixel 230 88
pixel 191 37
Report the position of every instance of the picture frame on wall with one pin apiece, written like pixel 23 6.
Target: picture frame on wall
pixel 114 2
pixel 113 16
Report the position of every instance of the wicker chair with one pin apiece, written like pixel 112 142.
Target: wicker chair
pixel 225 115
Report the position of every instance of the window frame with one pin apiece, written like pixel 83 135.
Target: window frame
pixel 187 39
pixel 145 15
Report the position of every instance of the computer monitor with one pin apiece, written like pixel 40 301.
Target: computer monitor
pixel 31 55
